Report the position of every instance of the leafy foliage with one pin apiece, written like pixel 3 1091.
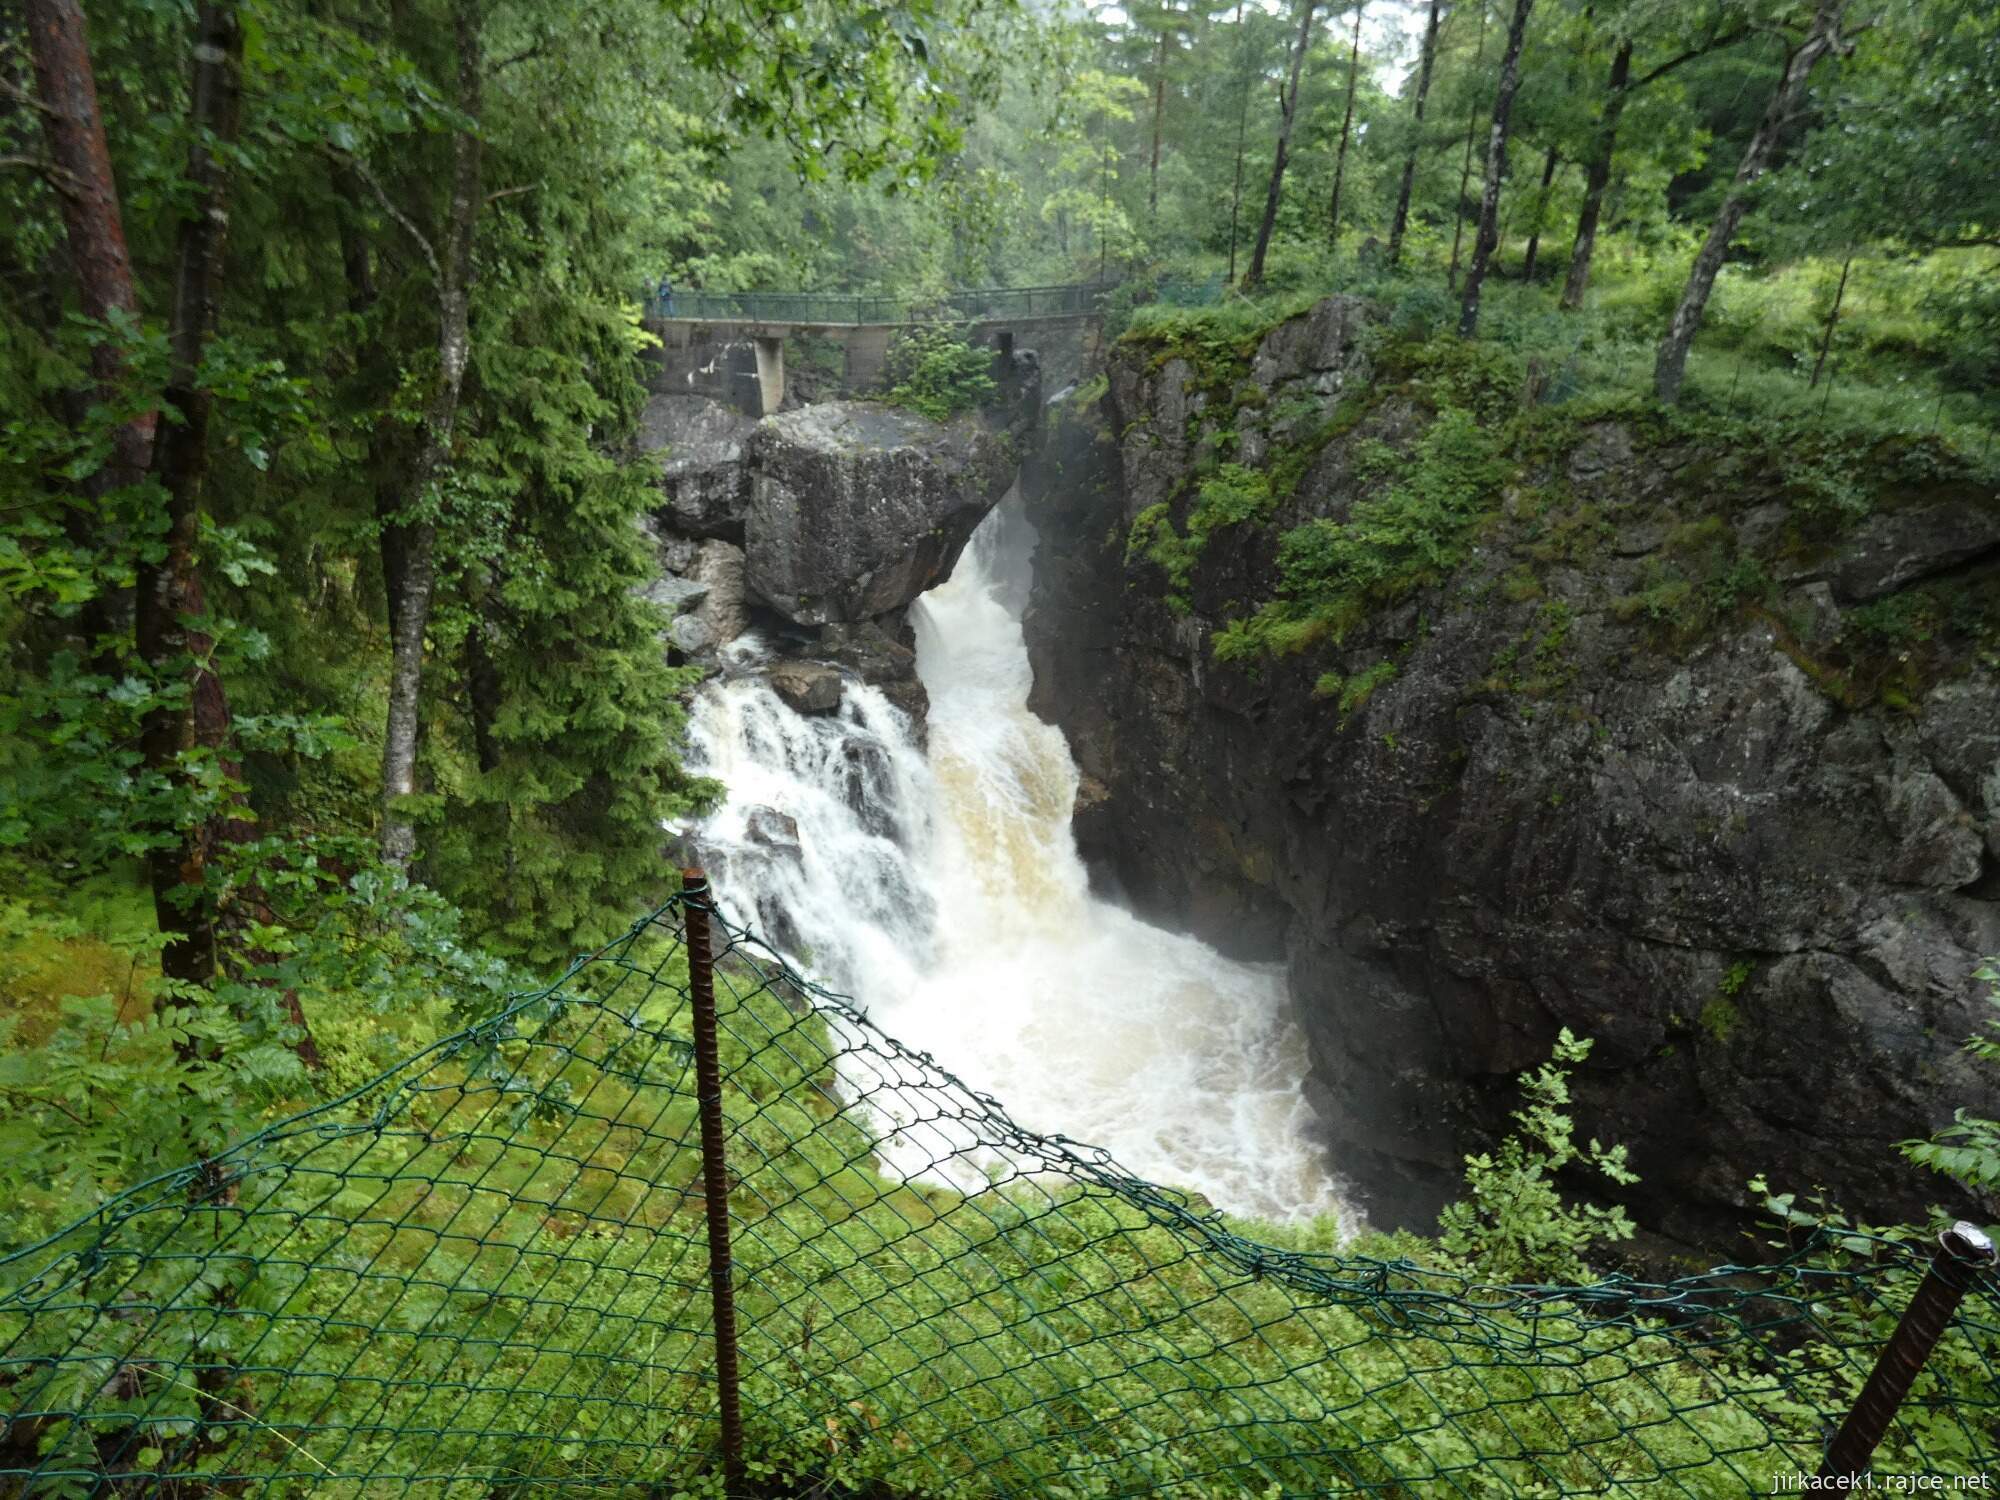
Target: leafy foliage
pixel 937 374
pixel 1513 1223
pixel 1231 496
pixel 1333 572
pixel 1968 1150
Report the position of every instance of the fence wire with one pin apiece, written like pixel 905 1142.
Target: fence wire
pixel 484 1274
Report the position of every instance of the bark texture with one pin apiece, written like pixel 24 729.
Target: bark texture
pixel 1822 37
pixel 1288 103
pixel 1488 238
pixel 409 531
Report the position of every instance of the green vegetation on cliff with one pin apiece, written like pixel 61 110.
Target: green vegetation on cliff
pixel 1452 447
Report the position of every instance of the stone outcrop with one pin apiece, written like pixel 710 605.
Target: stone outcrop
pixel 820 525
pixel 1757 859
pixel 856 508
pixel 699 443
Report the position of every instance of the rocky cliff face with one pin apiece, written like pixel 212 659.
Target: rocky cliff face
pixel 1671 752
pixel 819 524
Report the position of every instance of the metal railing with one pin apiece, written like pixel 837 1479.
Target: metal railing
pixel 990 304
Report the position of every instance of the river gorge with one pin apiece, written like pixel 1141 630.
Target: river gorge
pixel 1283 928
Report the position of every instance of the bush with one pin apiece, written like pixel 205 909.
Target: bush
pixel 1513 1224
pixel 1230 496
pixel 1333 572
pixel 937 374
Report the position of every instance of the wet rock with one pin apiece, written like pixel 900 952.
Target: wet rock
pixel 882 653
pixel 809 687
pixel 690 636
pixel 770 829
pixel 1765 902
pixel 701 472
pixel 868 785
pixel 722 614
pixel 1893 548
pixel 674 594
pixel 856 507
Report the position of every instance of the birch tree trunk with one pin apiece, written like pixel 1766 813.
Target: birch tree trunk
pixel 409 530
pixel 1822 37
pixel 1488 238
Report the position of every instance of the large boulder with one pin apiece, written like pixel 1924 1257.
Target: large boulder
pixel 702 475
pixel 856 508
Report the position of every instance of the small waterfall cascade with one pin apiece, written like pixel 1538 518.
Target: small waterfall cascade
pixel 942 889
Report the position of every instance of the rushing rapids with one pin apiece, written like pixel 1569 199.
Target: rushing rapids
pixel 943 890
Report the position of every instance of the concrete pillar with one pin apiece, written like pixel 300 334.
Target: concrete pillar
pixel 867 356
pixel 771 373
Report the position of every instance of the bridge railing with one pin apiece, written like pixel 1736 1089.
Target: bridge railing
pixel 992 304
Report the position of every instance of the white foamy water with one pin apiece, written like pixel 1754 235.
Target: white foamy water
pixel 944 892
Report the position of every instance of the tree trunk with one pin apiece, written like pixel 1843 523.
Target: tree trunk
pixel 73 126
pixel 1549 164
pixel 1401 221
pixel 1346 130
pixel 1465 166
pixel 1670 367
pixel 1289 102
pixel 93 225
pixel 1596 176
pixel 409 533
pixel 1242 126
pixel 170 590
pixel 1832 317
pixel 1159 114
pixel 1488 238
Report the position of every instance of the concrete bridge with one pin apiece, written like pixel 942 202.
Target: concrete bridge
pixel 703 334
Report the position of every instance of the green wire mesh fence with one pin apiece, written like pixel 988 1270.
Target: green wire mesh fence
pixel 486 1273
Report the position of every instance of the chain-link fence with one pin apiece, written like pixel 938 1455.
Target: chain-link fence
pixel 488 1273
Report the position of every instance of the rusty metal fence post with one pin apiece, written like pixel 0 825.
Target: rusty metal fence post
pixel 695 911
pixel 1963 1252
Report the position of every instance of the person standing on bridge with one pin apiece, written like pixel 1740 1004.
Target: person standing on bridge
pixel 666 294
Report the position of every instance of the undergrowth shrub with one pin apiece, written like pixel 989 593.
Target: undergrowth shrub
pixel 1332 573
pixel 1228 497
pixel 937 374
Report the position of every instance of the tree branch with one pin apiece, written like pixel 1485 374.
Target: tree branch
pixel 526 187
pixel 1715 43
pixel 360 170
pixel 526 54
pixel 15 94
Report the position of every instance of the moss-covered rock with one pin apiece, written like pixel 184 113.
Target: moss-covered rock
pixel 1530 717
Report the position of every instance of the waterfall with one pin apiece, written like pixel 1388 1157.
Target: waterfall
pixel 943 890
